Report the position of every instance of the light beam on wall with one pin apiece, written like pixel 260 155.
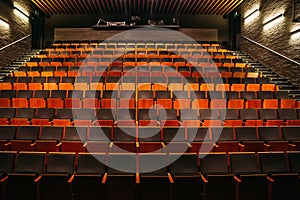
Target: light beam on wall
pixel 4 23
pixel 295 34
pixel 252 14
pixel 274 20
pixel 21 12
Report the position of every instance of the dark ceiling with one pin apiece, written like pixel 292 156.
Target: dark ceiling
pixel 136 7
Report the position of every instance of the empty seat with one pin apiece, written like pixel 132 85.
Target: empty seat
pixel 187 180
pixel 57 180
pixel 291 134
pixel 74 139
pixel 89 176
pixel 23 182
pixel 249 141
pixel 121 174
pixel 154 181
pixel 272 137
pixel 223 137
pixel 49 139
pixel 25 138
pixel 150 140
pixel 251 183
pixel 283 183
pixel 216 174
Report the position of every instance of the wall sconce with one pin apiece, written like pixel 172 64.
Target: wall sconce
pixel 252 15
pixel 274 20
pixel 4 22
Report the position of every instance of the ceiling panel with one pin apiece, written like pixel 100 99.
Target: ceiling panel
pixel 136 7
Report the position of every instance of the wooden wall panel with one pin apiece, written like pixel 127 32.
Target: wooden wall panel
pixel 197 34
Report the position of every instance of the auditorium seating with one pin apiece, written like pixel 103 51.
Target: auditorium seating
pixel 209 119
pixel 197 175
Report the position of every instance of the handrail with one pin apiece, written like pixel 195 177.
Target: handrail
pixel 15 42
pixel 271 50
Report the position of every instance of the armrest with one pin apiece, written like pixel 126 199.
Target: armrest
pixel 37 179
pixel 104 178
pixel 59 144
pixel 170 178
pixel 217 146
pixel 7 144
pixel 84 145
pixel 237 179
pixel 180 122
pixel 292 145
pixel 137 178
pixel 189 145
pixel 163 144
pixel 137 144
pixel 71 179
pixel 33 144
pixel 241 145
pixel 270 179
pixel 204 179
pixel 266 145
pixel 4 179
pixel 111 144
pixel 115 122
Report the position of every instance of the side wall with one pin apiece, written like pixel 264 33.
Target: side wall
pixel 277 37
pixel 19 27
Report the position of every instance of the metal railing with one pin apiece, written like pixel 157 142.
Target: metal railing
pixel 15 42
pixel 271 50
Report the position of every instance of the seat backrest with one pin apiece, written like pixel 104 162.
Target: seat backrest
pixel 45 113
pixel 274 162
pixel 25 113
pixel 125 134
pixel 7 112
pixel 269 133
pixel 100 133
pixel 126 114
pixel 51 133
pixel 213 163
pixel 173 134
pixel 287 114
pixel 7 132
pixel 30 162
pixel 7 160
pixel 200 134
pixel 208 114
pixel 291 133
pixel 248 114
pixel 87 114
pixel 106 114
pixel 155 163
pixel 88 163
pixel 228 114
pixel 75 133
pixel 60 163
pixel 120 163
pixel 65 113
pixel 28 132
pixel 245 133
pixel 167 114
pixel 267 114
pixel 294 161
pixel 244 163
pixel 222 133
pixel 149 134
pixel 183 164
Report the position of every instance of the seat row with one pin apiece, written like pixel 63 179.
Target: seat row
pixel 149 139
pixel 144 85
pixel 152 117
pixel 283 96
pixel 246 175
